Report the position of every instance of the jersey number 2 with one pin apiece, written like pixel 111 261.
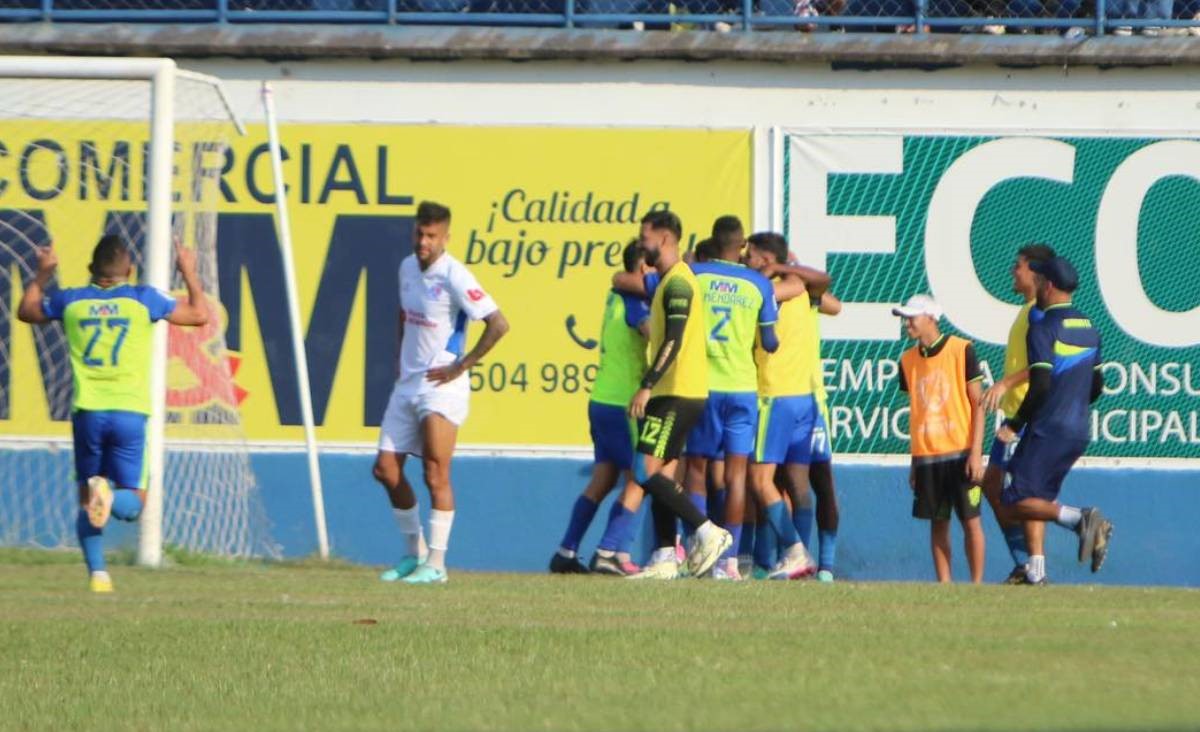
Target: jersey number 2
pixel 723 312
pixel 98 326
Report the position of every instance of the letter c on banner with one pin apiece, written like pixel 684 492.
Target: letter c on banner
pixel 1117 268
pixel 951 270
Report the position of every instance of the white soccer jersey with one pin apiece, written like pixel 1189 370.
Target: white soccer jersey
pixel 437 305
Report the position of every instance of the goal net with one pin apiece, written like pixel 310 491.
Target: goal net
pixel 75 165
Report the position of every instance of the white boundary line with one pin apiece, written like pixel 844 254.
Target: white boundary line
pixel 548 452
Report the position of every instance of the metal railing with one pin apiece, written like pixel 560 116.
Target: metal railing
pixel 1070 17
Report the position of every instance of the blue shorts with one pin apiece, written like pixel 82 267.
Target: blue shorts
pixel 613 435
pixel 112 444
pixel 1038 467
pixel 785 429
pixel 1002 452
pixel 820 449
pixel 727 427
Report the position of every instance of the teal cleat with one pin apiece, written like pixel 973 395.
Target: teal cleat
pixel 426 575
pixel 825 576
pixel 403 568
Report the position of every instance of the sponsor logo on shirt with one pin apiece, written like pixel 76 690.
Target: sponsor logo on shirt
pixel 105 309
pixel 476 295
pixel 419 319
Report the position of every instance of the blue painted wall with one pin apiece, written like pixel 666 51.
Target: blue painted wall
pixel 511 513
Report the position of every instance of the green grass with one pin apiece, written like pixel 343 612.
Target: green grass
pixel 254 646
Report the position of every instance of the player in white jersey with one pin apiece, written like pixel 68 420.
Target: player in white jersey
pixel 438 296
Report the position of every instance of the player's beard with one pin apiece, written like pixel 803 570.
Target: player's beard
pixel 652 257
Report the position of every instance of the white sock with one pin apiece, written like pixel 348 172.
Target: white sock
pixel 439 537
pixel 663 554
pixel 409 521
pixel 566 553
pixel 1036 569
pixel 1069 517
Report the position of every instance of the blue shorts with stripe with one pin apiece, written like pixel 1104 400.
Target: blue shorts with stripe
pixel 785 429
pixel 112 444
pixel 613 434
pixel 1039 466
pixel 1002 452
pixel 727 427
pixel 820 448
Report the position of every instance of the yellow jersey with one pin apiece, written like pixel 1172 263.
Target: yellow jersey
pixel 789 371
pixel 1016 358
pixel 678 295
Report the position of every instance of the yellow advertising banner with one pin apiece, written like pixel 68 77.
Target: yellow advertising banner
pixel 540 215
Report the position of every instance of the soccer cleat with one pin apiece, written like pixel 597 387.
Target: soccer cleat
pixel 825 576
pixel 1100 547
pixel 100 500
pixel 794 565
pixel 725 574
pixel 1040 583
pixel 1087 532
pixel 759 573
pixel 403 568
pixel 426 575
pixel 100 582
pixel 1016 576
pixel 667 570
pixel 707 550
pixel 611 565
pixel 566 565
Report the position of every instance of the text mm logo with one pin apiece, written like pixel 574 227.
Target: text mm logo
pixel 722 287
pixel 101 310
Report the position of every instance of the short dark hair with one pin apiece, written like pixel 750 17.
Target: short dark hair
pixel 769 241
pixel 726 227
pixel 110 251
pixel 706 250
pixel 633 254
pixel 429 212
pixel 664 220
pixel 1036 252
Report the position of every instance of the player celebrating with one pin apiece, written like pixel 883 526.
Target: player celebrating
pixel 671 400
pixel 942 377
pixel 429 401
pixel 622 364
pixel 1064 380
pixel 109 326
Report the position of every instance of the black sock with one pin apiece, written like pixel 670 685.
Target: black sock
pixel 820 476
pixel 675 498
pixel 664 524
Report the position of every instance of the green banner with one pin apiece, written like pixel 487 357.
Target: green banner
pixel 891 216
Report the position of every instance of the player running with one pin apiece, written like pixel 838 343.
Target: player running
pixel 430 399
pixel 1064 380
pixel 671 400
pixel 109 326
pixel 622 363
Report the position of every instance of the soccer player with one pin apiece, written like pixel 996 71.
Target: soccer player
pixel 109 326
pixel 739 306
pixel 671 400
pixel 622 363
pixel 787 408
pixel 1064 380
pixel 1007 394
pixel 942 377
pixel 430 399
pixel 820 469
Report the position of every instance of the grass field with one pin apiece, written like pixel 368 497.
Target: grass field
pixel 329 647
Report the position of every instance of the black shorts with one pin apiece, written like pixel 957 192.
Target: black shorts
pixel 663 432
pixel 942 485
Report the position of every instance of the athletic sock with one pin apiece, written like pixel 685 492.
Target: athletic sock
pixel 765 546
pixel 828 549
pixel 91 541
pixel 802 519
pixel 735 530
pixel 409 521
pixel 581 517
pixel 671 495
pixel 1069 517
pixel 1014 537
pixel 620 523
pixel 783 529
pixel 1036 570
pixel 745 545
pixel 701 503
pixel 716 505
pixel 126 505
pixel 440 523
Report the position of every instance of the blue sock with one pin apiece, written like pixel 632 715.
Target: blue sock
pixel 619 529
pixel 91 540
pixel 802 519
pixel 736 530
pixel 746 543
pixel 1014 537
pixel 783 529
pixel 701 504
pixel 126 505
pixel 716 506
pixel 828 551
pixel 765 550
pixel 581 518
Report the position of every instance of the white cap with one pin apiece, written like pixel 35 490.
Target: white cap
pixel 919 305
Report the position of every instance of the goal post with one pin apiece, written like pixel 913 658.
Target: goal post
pixel 55 108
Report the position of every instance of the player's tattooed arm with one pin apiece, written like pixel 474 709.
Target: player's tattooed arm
pixel 677 301
pixel 30 310
pixel 495 326
pixel 192 309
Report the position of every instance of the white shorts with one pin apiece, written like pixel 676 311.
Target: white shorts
pixel 400 431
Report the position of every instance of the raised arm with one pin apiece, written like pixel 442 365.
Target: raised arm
pixel 30 310
pixel 192 309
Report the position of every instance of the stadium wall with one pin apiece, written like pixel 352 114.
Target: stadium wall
pixel 513 504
